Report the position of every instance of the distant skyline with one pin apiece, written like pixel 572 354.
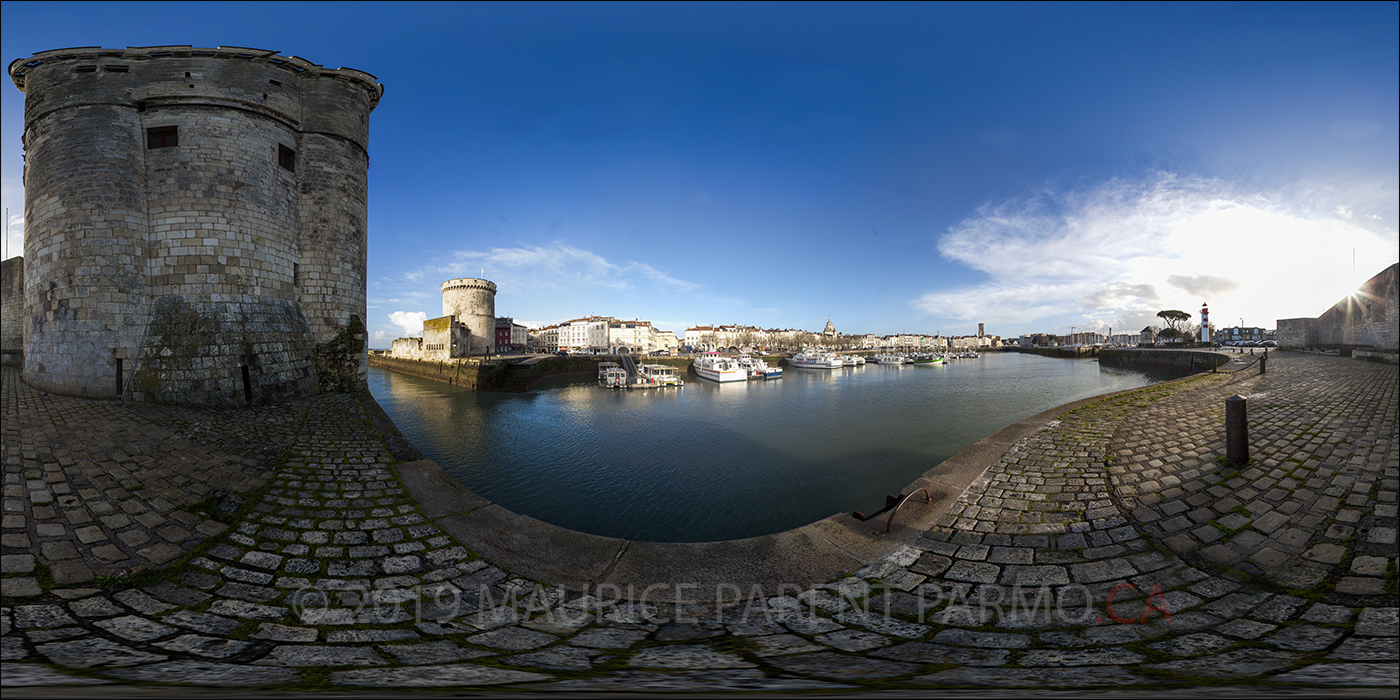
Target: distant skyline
pixel 896 167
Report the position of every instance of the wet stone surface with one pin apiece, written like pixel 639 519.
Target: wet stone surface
pixel 1108 549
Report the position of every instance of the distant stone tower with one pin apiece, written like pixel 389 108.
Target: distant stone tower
pixel 195 224
pixel 473 302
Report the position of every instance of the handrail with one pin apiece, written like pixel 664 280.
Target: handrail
pixel 893 504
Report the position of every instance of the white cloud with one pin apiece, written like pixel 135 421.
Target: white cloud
pixel 557 265
pixel 410 321
pixel 1116 254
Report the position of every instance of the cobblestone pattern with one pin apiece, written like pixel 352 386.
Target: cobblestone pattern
pixel 1316 504
pixel 96 488
pixel 1036 578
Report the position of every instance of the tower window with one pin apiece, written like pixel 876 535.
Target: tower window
pixel 287 158
pixel 163 137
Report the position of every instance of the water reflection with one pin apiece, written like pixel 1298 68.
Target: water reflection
pixel 716 461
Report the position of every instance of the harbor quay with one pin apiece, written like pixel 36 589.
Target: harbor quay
pixel 1102 546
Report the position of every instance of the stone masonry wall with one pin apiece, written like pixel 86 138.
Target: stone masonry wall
pixel 242 351
pixel 12 304
pixel 1297 333
pixel 1366 320
pixel 251 223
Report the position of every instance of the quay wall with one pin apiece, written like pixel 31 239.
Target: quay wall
pixel 468 373
pixel 1184 361
pixel 1056 352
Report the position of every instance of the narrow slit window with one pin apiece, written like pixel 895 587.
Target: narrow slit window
pixel 287 158
pixel 163 137
pixel 115 69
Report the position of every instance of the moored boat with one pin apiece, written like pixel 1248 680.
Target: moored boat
pixel 657 375
pixel 927 360
pixel 816 360
pixel 611 375
pixel 758 369
pixel 719 369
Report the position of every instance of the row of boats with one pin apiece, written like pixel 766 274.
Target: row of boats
pixel 734 369
pixel 922 359
pixel 611 375
pixel 718 368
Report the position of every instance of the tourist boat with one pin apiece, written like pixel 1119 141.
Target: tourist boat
pixel 611 375
pixel 758 369
pixel 890 359
pixel 816 360
pixel 719 369
pixel 657 375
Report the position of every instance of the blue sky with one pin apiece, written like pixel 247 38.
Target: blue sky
pixel 895 167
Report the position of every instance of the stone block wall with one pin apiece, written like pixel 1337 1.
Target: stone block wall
pixel 12 304
pixel 1297 333
pixel 444 338
pixel 249 221
pixel 1365 320
pixel 407 349
pixel 234 352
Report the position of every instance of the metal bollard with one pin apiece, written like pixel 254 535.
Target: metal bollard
pixel 1236 430
pixel 1264 360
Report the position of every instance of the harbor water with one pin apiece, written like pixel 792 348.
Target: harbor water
pixel 711 461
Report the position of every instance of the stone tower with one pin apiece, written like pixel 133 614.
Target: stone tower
pixel 195 224
pixel 473 302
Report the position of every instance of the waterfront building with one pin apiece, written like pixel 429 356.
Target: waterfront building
pixel 510 336
pixel 1240 334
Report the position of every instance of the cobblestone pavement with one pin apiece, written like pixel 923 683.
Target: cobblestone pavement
pixel 1107 550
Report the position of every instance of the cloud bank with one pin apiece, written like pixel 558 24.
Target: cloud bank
pixel 1116 254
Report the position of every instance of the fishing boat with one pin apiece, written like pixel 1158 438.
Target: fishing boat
pixel 926 360
pixel 719 369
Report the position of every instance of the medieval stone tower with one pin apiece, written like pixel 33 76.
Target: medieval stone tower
pixel 473 302
pixel 195 224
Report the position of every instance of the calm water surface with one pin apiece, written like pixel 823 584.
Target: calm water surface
pixel 714 461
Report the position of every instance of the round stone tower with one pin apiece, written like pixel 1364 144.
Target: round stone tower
pixel 473 302
pixel 195 224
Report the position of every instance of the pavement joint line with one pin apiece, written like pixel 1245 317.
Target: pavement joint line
pixel 321 580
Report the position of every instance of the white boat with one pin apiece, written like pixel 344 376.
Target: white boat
pixel 890 359
pixel 611 375
pixel 816 360
pixel 657 375
pixel 852 360
pixel 758 369
pixel 719 369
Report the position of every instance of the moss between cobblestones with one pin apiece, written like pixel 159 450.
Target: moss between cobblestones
pixel 43 575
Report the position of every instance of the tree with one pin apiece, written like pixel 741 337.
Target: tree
pixel 1174 319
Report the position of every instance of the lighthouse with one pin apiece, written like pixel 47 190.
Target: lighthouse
pixel 1205 323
